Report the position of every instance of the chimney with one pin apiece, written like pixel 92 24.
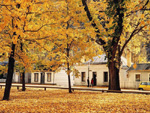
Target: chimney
pixel 128 58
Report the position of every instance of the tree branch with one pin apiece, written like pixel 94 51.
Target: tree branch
pixel 143 8
pixel 98 40
pixel 145 4
pixel 132 35
pixel 37 29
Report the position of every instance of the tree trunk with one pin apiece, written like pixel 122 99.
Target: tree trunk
pixel 114 83
pixel 23 81
pixel 23 73
pixel 68 69
pixel 116 10
pixel 69 83
pixel 9 74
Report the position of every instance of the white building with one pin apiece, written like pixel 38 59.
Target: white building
pixel 59 78
pixel 98 70
pixel 42 77
pixel 138 74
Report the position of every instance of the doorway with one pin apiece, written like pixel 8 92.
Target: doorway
pixel 42 78
pixel 95 78
pixel 29 77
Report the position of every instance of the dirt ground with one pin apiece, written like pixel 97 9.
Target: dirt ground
pixel 60 101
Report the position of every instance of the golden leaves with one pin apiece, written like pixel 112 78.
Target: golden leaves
pixel 134 66
pixel 37 18
pixel 1 29
pixel 142 23
pixel 142 15
pixel 14 39
pixel 60 101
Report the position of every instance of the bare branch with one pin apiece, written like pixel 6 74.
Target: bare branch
pixel 37 29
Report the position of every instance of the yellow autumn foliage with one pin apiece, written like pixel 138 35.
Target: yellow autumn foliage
pixel 60 101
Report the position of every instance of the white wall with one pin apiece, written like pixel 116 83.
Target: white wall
pixel 16 76
pixel 77 80
pixel 99 69
pixel 126 81
pixel 61 78
pixel 123 78
pixel 132 83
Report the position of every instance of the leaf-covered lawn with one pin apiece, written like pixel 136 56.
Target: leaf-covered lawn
pixel 60 101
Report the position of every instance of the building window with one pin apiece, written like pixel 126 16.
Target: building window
pixel 83 76
pixel 49 75
pixel 36 77
pixel 3 76
pixel 94 78
pixel 137 77
pixel 105 76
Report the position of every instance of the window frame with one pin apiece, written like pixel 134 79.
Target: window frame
pixel 49 80
pixel 36 77
pixel 136 77
pixel 149 77
pixel 3 76
pixel 83 79
pixel 104 76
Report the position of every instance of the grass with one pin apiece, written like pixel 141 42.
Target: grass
pixel 60 101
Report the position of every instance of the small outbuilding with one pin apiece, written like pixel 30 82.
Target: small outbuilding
pixel 48 77
pixel 141 72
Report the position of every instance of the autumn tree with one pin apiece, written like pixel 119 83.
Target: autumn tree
pixel 24 61
pixel 21 20
pixel 70 40
pixel 116 23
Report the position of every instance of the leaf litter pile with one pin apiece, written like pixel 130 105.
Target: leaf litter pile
pixel 60 101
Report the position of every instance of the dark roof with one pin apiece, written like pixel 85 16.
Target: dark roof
pixel 142 66
pixel 4 63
